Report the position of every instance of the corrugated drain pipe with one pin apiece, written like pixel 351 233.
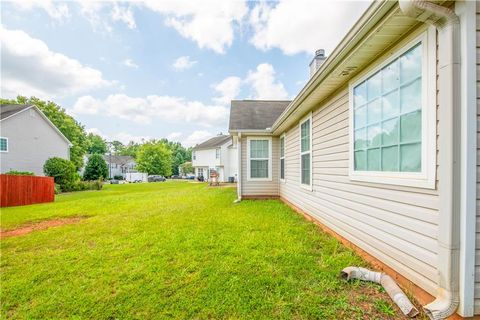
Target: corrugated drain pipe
pixel 393 290
pixel 447 24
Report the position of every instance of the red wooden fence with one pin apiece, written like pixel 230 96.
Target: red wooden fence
pixel 23 190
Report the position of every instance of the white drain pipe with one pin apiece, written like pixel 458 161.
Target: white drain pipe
pixel 393 290
pixel 447 24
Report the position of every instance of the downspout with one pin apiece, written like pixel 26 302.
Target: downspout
pixel 447 24
pixel 239 166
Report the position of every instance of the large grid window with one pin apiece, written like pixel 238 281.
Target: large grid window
pixel 3 144
pixel 282 158
pixel 305 153
pixel 259 159
pixel 388 117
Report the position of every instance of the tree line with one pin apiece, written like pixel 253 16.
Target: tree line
pixel 160 156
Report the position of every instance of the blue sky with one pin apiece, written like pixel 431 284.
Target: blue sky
pixel 153 69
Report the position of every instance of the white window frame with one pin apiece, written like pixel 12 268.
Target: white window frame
pixel 425 178
pixel 302 121
pixel 282 136
pixel 249 173
pixel 6 139
pixel 217 153
pixel 194 155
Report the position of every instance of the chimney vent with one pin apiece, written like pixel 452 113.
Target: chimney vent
pixel 317 61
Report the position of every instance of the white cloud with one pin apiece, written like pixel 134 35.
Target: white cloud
pixel 196 137
pixel 92 11
pixel 209 23
pixel 259 84
pixel 264 85
pixel 86 105
pixel 183 63
pixel 29 67
pixel 159 108
pixel 56 10
pixel 174 136
pixel 274 24
pixel 123 137
pixel 228 88
pixel 123 14
pixel 129 63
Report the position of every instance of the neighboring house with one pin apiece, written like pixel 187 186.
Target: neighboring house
pixel 28 139
pixel 120 165
pixel 380 148
pixel 218 153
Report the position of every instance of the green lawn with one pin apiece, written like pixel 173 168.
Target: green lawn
pixel 177 250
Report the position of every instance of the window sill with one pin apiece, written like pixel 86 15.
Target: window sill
pixel 408 180
pixel 307 187
pixel 259 179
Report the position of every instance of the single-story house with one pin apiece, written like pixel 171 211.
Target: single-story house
pixel 218 153
pixel 380 148
pixel 28 139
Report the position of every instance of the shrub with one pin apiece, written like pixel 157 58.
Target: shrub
pixel 20 173
pixel 118 177
pixel 83 185
pixel 96 168
pixel 58 189
pixel 63 171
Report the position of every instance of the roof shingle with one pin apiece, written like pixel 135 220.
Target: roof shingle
pixel 255 114
pixel 7 110
pixel 213 142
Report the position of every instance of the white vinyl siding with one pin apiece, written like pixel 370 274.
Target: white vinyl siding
pixel 260 187
pixel 395 224
pixel 282 158
pixel 392 119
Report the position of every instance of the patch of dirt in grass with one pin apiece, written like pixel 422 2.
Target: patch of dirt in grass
pixel 374 303
pixel 42 225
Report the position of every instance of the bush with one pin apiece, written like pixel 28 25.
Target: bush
pixel 83 185
pixel 118 177
pixel 96 168
pixel 20 173
pixel 63 171
pixel 58 189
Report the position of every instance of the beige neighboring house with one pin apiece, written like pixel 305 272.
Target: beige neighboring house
pixel 380 147
pixel 218 153
pixel 28 139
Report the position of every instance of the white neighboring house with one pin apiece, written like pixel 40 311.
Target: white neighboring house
pixel 218 153
pixel 120 165
pixel 28 139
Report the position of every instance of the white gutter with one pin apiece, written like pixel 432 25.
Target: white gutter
pixel 239 164
pixel 448 26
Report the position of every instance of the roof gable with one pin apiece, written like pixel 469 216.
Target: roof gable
pixel 9 110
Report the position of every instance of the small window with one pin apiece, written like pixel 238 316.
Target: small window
pixel 194 155
pixel 282 157
pixel 305 152
pixel 393 119
pixel 3 144
pixel 259 163
pixel 217 153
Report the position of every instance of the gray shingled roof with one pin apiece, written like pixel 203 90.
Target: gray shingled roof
pixel 255 114
pixel 120 160
pixel 6 110
pixel 213 142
